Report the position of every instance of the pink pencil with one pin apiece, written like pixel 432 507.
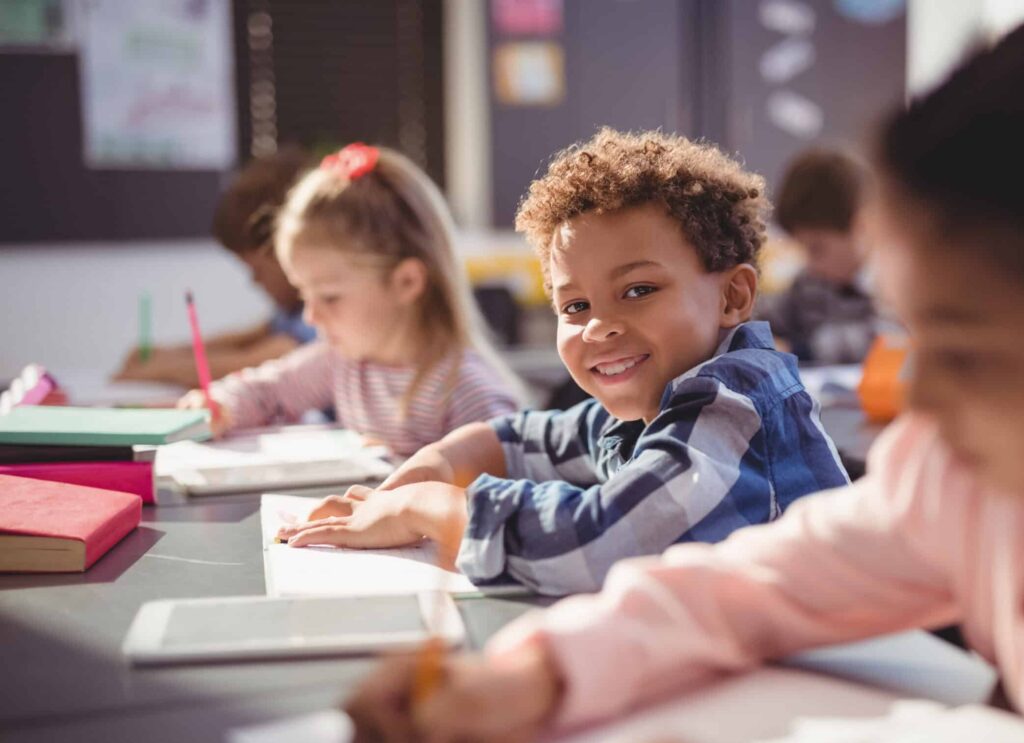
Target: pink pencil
pixel 202 366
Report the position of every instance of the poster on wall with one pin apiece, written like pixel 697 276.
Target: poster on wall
pixel 157 84
pixel 36 26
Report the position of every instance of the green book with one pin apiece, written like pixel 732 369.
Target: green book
pixel 51 424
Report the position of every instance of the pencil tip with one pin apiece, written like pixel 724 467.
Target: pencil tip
pixel 188 296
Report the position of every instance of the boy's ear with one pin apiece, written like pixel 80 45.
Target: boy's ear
pixel 409 279
pixel 739 290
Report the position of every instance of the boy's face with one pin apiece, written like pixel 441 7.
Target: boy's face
pixel 965 315
pixel 267 273
pixel 831 255
pixel 635 306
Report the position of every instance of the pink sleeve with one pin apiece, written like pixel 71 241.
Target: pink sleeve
pixel 865 559
pixel 479 395
pixel 278 390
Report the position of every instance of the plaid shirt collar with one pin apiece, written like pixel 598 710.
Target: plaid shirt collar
pixel 621 436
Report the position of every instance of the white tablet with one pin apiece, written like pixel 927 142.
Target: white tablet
pixel 244 627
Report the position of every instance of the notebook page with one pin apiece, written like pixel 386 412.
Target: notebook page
pixel 328 726
pixel 312 571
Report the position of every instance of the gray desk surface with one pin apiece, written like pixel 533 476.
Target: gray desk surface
pixel 852 434
pixel 60 636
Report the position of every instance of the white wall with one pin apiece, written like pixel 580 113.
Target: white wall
pixel 76 306
pixel 940 31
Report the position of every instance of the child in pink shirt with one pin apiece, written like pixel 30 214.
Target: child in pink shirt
pixel 933 534
pixel 366 239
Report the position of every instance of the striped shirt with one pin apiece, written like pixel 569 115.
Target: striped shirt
pixel 737 439
pixel 367 396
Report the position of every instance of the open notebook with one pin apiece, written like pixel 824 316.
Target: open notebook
pixel 272 459
pixel 312 571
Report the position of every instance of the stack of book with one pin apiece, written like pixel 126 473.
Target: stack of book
pixel 110 448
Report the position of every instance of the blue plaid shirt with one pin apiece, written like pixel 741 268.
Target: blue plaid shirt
pixel 737 439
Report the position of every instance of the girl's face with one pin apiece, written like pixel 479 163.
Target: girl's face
pixel 355 304
pixel 966 316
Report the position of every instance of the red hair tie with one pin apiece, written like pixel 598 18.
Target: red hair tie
pixel 352 161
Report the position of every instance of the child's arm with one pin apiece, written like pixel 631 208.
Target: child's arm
pixel 282 389
pixel 226 353
pixel 457 459
pixel 424 497
pixel 696 475
pixel 874 557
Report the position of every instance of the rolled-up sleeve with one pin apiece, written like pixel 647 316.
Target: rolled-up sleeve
pixel 698 472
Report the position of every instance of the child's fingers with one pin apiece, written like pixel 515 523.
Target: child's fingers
pixel 358 492
pixel 336 534
pixel 290 530
pixel 332 505
pixel 380 707
pixel 192 399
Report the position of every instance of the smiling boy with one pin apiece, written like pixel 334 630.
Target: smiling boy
pixel 698 426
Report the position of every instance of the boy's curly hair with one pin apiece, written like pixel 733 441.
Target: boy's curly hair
pixel 720 207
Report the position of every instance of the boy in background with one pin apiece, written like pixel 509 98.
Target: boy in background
pixel 827 316
pixel 243 223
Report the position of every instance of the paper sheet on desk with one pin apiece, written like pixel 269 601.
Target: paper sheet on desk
pixel 328 726
pixel 311 571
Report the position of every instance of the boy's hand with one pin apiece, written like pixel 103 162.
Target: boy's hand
pixel 387 518
pixel 220 419
pixel 507 700
pixel 426 465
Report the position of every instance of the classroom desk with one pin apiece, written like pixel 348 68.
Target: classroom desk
pixel 852 433
pixel 60 635
pixel 64 678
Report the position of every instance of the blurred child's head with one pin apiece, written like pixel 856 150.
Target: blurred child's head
pixel 243 221
pixel 648 244
pixel 950 219
pixel 818 203
pixel 367 239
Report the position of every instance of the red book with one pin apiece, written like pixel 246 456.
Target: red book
pixel 128 477
pixel 55 527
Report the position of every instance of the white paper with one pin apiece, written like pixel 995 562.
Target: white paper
pixel 313 571
pixel 271 459
pixel 328 726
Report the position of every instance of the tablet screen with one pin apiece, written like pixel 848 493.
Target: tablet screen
pixel 242 622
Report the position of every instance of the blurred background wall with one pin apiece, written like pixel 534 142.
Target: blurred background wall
pixel 479 93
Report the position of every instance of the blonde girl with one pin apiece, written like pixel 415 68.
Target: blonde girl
pixel 367 240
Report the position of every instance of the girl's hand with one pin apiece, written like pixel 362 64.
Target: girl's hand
pixel 506 700
pixel 378 519
pixel 220 419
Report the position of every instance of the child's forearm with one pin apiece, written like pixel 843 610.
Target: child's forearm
pixel 471 451
pixel 457 459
